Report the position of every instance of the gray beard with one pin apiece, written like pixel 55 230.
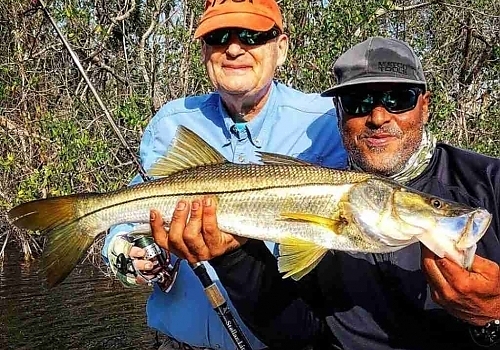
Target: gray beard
pixel 402 168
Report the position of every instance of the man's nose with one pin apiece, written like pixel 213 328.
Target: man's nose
pixel 234 46
pixel 379 116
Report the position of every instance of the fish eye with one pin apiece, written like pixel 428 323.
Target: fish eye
pixel 436 203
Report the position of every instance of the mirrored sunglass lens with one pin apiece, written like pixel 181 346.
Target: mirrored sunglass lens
pixel 249 37
pixel 246 36
pixel 357 103
pixel 217 37
pixel 255 38
pixel 400 100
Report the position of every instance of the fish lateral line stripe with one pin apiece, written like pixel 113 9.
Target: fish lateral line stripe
pixel 184 194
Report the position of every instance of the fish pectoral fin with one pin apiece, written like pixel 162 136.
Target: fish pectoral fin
pixel 187 150
pixel 298 257
pixel 334 224
pixel 279 159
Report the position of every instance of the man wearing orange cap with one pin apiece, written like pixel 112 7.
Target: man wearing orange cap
pixel 242 44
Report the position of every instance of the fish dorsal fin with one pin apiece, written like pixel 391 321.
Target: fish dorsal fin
pixel 279 159
pixel 187 150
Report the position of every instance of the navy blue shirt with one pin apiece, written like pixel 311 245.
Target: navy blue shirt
pixel 367 301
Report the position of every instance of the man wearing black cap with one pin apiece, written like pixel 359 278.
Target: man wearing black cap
pixel 408 299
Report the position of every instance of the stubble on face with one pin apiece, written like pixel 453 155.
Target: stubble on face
pixel 386 159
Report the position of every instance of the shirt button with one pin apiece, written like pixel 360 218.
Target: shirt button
pixel 241 158
pixel 257 142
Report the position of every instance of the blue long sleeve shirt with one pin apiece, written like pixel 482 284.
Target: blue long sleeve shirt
pixel 291 123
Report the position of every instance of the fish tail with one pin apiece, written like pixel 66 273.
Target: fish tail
pixel 68 238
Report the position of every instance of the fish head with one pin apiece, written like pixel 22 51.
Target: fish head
pixel 371 207
pixel 447 228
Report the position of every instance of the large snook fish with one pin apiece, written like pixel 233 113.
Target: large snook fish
pixel 306 208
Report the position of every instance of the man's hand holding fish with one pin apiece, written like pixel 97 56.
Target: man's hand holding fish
pixel 471 295
pixel 200 239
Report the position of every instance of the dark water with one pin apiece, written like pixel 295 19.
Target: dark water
pixel 87 311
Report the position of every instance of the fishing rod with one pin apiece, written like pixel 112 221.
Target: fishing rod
pixel 213 293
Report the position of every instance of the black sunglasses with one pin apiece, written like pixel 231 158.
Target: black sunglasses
pixel 221 36
pixel 394 101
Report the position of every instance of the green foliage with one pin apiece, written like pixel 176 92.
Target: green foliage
pixel 71 149
pixel 131 113
pixel 138 54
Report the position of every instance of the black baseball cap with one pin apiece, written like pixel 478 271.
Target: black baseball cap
pixel 377 60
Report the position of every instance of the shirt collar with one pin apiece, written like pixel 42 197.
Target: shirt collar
pixel 259 127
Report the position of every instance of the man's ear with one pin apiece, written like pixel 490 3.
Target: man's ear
pixel 426 98
pixel 282 49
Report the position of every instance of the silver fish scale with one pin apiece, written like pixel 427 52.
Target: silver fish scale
pixel 260 214
pixel 220 178
pixel 236 177
pixel 263 215
pixel 251 199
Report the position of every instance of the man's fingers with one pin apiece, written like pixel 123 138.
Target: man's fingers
pixel 140 280
pixel 177 226
pixel 137 253
pixel 193 239
pixel 142 265
pixel 211 232
pixel 430 267
pixel 217 241
pixel 485 267
pixel 159 233
pixel 195 233
pixel 192 232
pixel 451 271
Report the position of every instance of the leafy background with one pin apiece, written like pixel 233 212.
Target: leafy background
pixel 139 54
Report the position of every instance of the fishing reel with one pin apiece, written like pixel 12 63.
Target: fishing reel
pixel 163 272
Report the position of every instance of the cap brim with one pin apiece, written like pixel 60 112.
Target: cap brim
pixel 368 80
pixel 237 20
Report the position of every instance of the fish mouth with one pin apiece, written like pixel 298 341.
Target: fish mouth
pixel 458 236
pixel 475 228
pixel 466 229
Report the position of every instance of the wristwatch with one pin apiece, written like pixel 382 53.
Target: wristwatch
pixel 486 335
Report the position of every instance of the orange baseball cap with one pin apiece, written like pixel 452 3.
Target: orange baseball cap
pixel 259 15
